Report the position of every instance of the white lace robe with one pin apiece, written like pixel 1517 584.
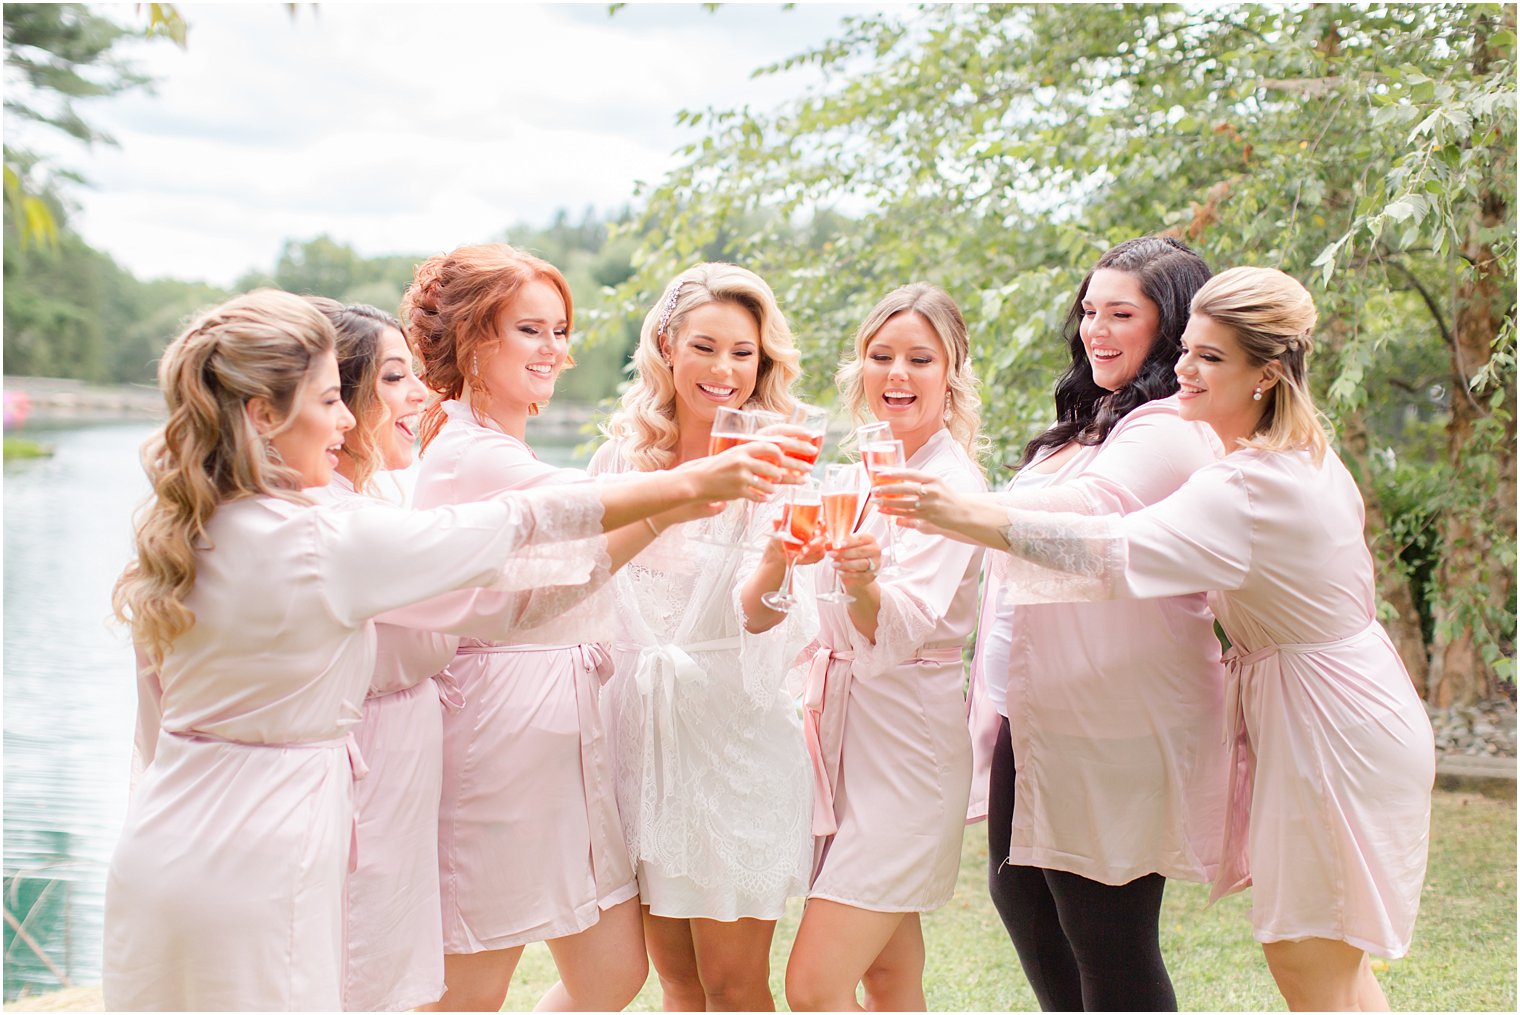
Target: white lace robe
pixel 713 781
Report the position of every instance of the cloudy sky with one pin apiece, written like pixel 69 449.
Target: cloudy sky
pixel 407 128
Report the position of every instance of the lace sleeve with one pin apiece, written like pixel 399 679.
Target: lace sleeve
pixel 1199 539
pixel 1056 557
pixel 563 542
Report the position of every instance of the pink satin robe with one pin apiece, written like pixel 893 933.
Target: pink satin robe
pixel 887 719
pixel 529 842
pixel 1332 755
pixel 1115 704
pixel 226 890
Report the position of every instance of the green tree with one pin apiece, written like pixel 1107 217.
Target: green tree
pixel 997 149
pixel 57 55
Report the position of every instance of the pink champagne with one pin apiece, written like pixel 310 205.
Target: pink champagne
pixel 801 524
pixel 877 459
pixel 720 442
pixel 839 510
pixel 816 440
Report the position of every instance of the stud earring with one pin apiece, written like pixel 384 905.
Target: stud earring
pixel 1256 397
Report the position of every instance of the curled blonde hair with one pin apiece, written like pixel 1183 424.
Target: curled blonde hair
pixel 1272 317
pixel 939 311
pixel 259 345
pixel 645 421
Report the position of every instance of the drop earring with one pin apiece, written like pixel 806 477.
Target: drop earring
pixel 1256 396
pixel 475 364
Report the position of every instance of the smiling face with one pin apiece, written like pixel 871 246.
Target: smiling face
pixel 310 438
pixel 402 395
pixel 1118 328
pixel 1218 381
pixel 714 360
pixel 905 376
pixel 520 368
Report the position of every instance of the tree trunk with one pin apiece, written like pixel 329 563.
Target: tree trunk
pixel 1464 676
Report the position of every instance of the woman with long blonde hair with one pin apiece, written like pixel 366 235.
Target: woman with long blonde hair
pixel 251 609
pixel 884 705
pixel 712 778
pixel 1332 756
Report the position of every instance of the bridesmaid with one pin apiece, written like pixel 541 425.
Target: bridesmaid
pixel 395 960
pixel 885 706
pixel 1332 756
pixel 712 775
pixel 251 612
pixel 530 843
pixel 1128 722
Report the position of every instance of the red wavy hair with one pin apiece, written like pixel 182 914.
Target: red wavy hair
pixel 451 308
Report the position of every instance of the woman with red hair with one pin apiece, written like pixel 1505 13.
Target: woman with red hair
pixel 530 843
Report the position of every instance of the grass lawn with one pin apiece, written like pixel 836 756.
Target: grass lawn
pixel 1463 957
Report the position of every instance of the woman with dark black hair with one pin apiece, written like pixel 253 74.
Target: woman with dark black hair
pixel 1100 722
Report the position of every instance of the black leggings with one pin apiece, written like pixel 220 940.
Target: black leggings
pixel 1084 945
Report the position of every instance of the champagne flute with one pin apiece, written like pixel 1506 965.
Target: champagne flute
pixel 814 422
pixel 800 520
pixel 730 428
pixel 870 433
pixel 841 509
pixel 758 421
pixel 880 457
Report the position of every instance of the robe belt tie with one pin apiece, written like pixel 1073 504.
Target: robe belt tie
pixel 823 729
pixel 1242 669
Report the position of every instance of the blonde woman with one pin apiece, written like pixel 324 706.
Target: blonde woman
pixel 1332 756
pixel 885 705
pixel 711 772
pixel 251 610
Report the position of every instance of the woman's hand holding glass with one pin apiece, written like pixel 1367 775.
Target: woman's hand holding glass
pixel 881 456
pixel 857 562
pixel 799 533
pixel 841 495
pixel 923 501
pixel 751 470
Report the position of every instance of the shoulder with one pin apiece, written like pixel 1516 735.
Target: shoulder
pixel 1161 419
pixel 950 462
pixel 607 458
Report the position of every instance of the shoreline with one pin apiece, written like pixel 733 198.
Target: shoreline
pixel 53 400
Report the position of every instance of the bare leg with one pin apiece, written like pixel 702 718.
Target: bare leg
pixel 476 981
pixel 895 981
pixel 1318 974
pixel 602 967
pixel 734 962
pixel 675 962
pixel 1369 991
pixel 836 946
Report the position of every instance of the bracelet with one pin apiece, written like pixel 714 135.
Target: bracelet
pixel 649 520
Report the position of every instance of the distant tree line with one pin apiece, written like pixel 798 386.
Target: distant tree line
pixel 997 149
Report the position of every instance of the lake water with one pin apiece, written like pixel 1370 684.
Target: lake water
pixel 69 692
